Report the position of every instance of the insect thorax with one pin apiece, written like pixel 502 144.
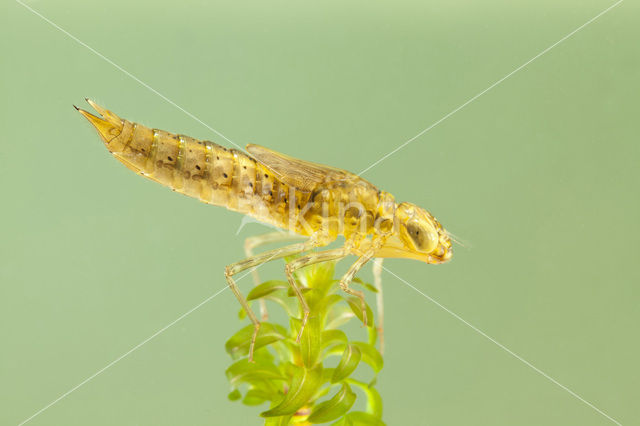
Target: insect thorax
pixel 342 208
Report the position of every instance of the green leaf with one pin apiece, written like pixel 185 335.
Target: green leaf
pixel 339 315
pixel 283 350
pixel 327 373
pixel 335 407
pixel 266 288
pixel 374 401
pixel 335 350
pixel 350 360
pixel 247 372
pixel 256 397
pixel 323 390
pixel 356 307
pixel 238 345
pixel 288 304
pixel 330 337
pixel 242 314
pixel 359 418
pixel 329 301
pixel 310 342
pixel 292 293
pixel 234 395
pixel 304 385
pixel 342 422
pixel 318 275
pixel 366 285
pixel 278 421
pixel 372 333
pixel 325 305
pixel 289 369
pixel 370 355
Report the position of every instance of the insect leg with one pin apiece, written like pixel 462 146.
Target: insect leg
pixel 377 282
pixel 301 262
pixel 256 261
pixel 348 277
pixel 251 243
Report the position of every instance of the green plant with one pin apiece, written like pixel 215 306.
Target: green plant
pixel 295 378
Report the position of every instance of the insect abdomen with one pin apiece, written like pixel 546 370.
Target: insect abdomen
pixel 200 169
pixel 204 170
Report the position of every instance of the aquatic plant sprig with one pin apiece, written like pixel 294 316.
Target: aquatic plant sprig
pixel 310 381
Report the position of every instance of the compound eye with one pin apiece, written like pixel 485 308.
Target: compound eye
pixel 425 240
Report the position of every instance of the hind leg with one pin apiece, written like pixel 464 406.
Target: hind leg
pixel 301 262
pixel 254 262
pixel 254 242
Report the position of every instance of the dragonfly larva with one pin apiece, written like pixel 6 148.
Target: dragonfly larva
pixel 310 200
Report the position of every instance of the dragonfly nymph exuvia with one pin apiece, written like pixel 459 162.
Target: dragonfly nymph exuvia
pixel 313 202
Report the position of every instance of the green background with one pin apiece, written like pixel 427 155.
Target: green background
pixel 540 175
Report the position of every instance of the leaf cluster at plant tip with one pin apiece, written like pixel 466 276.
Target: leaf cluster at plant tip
pixel 293 378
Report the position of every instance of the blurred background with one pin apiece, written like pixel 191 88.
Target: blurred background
pixel 539 176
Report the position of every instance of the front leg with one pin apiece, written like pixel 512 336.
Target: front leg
pixel 348 277
pixel 366 256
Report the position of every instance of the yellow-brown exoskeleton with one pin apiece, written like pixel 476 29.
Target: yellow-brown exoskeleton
pixel 313 202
